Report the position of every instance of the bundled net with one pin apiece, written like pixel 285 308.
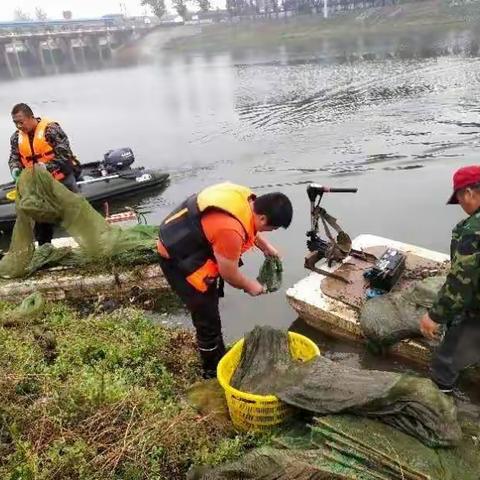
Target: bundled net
pixel 414 405
pixel 265 357
pixel 272 464
pixel 366 425
pixel 270 274
pixel 42 199
pixel 390 318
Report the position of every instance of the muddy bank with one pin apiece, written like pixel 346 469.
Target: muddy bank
pixel 72 285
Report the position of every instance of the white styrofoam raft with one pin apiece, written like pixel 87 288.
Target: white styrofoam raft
pixel 308 290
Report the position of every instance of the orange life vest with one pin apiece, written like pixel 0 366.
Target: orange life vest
pixel 182 235
pixel 42 150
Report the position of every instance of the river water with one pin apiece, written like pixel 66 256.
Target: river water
pixel 394 117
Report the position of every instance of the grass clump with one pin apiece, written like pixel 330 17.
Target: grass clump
pixel 102 397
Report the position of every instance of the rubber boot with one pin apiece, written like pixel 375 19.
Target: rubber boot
pixel 210 354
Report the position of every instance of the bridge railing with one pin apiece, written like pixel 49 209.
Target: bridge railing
pixel 22 28
pixel 68 33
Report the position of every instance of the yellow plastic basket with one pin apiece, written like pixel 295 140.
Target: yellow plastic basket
pixel 256 413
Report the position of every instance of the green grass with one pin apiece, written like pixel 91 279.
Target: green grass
pixel 102 397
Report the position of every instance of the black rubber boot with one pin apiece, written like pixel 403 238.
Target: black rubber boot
pixel 211 354
pixel 208 374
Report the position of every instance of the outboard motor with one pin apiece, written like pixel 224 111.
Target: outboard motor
pixel 118 159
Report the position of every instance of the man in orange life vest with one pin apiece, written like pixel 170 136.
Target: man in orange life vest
pixel 42 141
pixel 200 245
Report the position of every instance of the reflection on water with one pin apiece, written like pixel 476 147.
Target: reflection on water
pixel 392 116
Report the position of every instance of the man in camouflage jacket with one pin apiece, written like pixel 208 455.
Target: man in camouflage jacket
pixel 63 161
pixel 58 139
pixel 457 306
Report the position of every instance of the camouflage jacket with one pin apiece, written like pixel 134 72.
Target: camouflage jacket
pixel 460 295
pixel 57 139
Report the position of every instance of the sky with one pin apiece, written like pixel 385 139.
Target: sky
pixel 79 8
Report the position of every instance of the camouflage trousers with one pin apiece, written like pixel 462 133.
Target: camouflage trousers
pixel 459 349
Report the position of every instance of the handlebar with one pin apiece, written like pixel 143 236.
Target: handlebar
pixel 313 190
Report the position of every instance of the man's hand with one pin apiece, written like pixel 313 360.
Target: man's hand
pixel 270 251
pixel 266 247
pixel 429 328
pixel 230 272
pixel 15 174
pixel 255 289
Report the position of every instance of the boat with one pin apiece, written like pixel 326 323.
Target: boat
pixel 332 306
pixel 114 177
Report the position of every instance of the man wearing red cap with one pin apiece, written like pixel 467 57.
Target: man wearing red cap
pixel 457 306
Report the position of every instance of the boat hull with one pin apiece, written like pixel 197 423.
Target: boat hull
pixel 127 183
pixel 339 319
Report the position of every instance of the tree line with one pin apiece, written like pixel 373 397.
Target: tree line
pixel 181 6
pixel 255 7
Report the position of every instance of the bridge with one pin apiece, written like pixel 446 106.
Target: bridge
pixel 46 51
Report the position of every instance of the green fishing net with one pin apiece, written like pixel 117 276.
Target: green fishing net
pixel 390 318
pixel 414 405
pixel 265 356
pixel 31 309
pixel 366 425
pixel 42 199
pixel 208 398
pixel 270 274
pixel 411 404
pixel 347 447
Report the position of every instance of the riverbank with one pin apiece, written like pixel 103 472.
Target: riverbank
pixel 146 48
pixel 418 17
pixel 102 396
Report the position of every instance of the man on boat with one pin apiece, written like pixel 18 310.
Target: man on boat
pixel 41 141
pixel 458 304
pixel 200 244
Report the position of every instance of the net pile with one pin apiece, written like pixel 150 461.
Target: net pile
pixel 390 318
pixel 42 199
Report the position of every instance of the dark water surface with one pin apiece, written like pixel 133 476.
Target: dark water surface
pixel 393 118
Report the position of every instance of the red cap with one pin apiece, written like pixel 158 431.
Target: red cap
pixel 462 178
